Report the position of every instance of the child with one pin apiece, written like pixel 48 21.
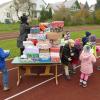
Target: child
pixel 67 35
pixel 75 59
pixel 85 39
pixel 69 55
pixel 87 59
pixel 92 40
pixel 3 68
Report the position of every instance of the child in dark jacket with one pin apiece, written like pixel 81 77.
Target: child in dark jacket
pixel 3 68
pixel 85 39
pixel 69 56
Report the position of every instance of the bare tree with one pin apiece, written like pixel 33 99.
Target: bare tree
pixel 24 6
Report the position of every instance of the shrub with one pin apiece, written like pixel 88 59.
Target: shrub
pixel 97 16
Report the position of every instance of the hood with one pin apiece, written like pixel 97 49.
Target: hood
pixel 88 34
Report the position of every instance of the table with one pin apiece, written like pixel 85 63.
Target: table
pixel 16 61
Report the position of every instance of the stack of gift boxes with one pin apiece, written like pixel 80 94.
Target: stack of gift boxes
pixel 38 47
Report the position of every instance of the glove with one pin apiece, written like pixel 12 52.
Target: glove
pixel 69 59
pixel 72 54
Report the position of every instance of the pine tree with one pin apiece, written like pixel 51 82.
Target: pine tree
pixel 98 4
pixel 42 15
pixel 50 13
pixel 86 6
pixel 77 4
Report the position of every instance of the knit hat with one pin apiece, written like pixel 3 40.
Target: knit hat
pixel 88 34
pixel 77 41
pixel 24 19
pixel 92 38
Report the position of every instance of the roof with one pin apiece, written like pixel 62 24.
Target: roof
pixel 12 1
pixel 44 2
pixel 5 4
pixel 56 6
pixel 67 4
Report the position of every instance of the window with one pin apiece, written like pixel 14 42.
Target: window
pixel 35 14
pixel 8 14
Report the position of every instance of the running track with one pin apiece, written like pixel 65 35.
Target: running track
pixel 44 88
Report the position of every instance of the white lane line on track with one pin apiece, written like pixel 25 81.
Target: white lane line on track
pixel 39 84
pixel 11 69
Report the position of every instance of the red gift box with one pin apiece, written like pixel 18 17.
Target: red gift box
pixel 55 59
pixel 54 49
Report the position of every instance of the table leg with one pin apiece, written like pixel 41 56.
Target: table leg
pixel 47 71
pixel 19 75
pixel 28 71
pixel 56 72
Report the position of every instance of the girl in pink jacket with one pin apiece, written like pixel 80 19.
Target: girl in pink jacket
pixel 87 59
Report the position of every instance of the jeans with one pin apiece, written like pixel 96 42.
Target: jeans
pixel 5 76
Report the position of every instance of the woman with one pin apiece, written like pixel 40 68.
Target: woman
pixel 24 30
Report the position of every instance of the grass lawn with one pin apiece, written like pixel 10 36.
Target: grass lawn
pixel 7 28
pixel 11 44
pixel 80 34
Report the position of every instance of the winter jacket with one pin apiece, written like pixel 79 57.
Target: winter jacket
pixel 87 60
pixel 3 55
pixel 86 38
pixel 24 30
pixel 66 54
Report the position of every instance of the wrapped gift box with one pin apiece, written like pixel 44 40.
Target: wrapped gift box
pixel 53 54
pixel 32 36
pixel 43 44
pixel 52 35
pixel 27 43
pixel 55 59
pixel 31 49
pixel 35 30
pixel 44 50
pixel 41 36
pixel 54 49
pixel 44 57
pixel 32 55
pixel 37 36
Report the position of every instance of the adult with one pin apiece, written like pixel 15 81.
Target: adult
pixel 24 31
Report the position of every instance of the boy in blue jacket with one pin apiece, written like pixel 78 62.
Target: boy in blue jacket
pixel 3 68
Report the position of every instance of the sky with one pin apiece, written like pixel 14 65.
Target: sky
pixel 53 1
